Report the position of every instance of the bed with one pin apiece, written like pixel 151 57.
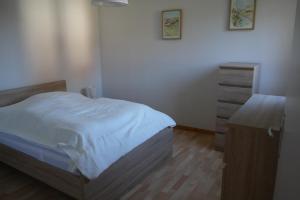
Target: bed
pixel 112 183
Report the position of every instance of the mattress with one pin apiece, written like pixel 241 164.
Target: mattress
pixel 94 133
pixel 54 157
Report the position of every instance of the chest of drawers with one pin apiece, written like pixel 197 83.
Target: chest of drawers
pixel 237 82
pixel 252 149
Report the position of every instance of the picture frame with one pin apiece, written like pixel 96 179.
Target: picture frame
pixel 171 24
pixel 242 15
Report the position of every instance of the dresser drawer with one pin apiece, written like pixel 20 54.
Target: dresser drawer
pixel 226 110
pixel 236 77
pixel 221 125
pixel 234 94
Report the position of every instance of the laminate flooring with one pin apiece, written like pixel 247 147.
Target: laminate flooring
pixel 193 173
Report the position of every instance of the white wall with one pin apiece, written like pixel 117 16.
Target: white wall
pixel 48 40
pixel 179 77
pixel 289 165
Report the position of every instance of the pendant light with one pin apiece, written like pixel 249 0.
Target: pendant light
pixel 110 2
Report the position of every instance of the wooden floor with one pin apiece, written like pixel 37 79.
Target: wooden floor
pixel 193 172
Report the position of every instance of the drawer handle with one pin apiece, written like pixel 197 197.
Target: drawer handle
pixel 270 132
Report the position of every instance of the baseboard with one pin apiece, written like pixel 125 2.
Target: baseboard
pixel 188 128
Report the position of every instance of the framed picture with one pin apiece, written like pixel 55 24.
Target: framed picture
pixel 242 15
pixel 172 24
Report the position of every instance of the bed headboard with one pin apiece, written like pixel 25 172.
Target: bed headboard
pixel 9 97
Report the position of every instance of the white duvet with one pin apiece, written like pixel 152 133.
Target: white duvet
pixel 94 133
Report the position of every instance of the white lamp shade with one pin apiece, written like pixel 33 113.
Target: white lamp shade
pixel 110 2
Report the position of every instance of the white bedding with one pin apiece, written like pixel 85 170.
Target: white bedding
pixel 54 157
pixel 94 133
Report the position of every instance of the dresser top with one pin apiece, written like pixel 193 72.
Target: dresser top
pixel 261 111
pixel 239 65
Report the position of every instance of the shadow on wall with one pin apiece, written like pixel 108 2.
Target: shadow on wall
pixel 11 53
pixel 47 40
pixel 187 107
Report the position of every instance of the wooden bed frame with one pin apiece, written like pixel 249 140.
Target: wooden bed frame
pixel 114 182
